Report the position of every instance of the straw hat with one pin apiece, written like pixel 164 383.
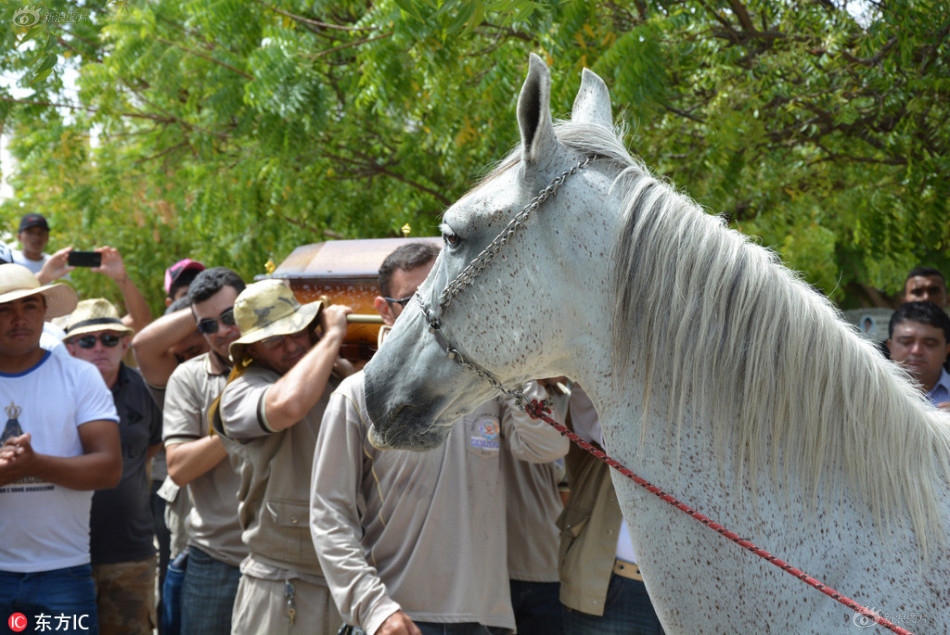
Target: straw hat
pixel 268 308
pixel 16 281
pixel 92 316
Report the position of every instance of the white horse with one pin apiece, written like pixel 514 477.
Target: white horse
pixel 717 373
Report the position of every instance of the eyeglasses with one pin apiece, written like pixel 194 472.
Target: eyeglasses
pixel 401 301
pixel 276 341
pixel 109 340
pixel 209 326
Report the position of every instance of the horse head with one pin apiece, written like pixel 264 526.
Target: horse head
pixel 502 296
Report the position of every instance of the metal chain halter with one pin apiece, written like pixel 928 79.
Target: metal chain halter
pixel 472 271
pixel 540 410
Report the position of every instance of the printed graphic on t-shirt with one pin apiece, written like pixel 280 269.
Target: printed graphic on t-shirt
pixel 10 430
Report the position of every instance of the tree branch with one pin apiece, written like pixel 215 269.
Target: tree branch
pixel 931 49
pixel 349 45
pixel 728 31
pixel 874 59
pixel 317 23
pixel 205 57
pixel 743 16
pixel 183 144
pixel 50 104
pixel 371 169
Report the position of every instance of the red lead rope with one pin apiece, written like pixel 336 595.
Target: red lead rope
pixel 539 410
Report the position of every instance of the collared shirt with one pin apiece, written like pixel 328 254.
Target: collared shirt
pixel 212 524
pixel 419 531
pixel 941 390
pixel 121 521
pixel 274 466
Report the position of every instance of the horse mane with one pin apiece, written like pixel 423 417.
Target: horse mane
pixel 740 343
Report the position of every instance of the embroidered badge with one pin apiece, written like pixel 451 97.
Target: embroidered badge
pixel 488 441
pixel 489 428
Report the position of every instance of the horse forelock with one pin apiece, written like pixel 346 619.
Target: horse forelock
pixel 738 340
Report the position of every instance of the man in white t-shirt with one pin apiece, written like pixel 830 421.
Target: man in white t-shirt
pixel 60 441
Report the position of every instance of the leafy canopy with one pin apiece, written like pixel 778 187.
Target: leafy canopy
pixel 233 132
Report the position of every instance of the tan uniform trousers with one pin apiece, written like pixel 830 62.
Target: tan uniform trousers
pixel 266 606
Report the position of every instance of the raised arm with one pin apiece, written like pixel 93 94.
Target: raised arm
pixel 298 391
pixel 152 345
pixel 112 266
pixel 55 266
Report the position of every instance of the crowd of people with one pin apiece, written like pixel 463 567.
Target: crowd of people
pixel 220 454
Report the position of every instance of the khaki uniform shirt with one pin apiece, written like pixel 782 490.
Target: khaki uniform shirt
pixel 423 532
pixel 274 497
pixel 590 524
pixel 533 507
pixel 212 524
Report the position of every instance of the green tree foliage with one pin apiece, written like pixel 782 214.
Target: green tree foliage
pixel 236 131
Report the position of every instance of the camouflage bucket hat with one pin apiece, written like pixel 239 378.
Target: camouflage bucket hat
pixel 268 308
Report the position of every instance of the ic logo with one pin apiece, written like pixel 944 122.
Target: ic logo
pixel 17 622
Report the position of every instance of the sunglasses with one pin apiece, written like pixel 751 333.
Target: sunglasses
pixel 109 340
pixel 401 301
pixel 209 326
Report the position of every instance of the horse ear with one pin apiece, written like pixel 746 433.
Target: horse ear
pixel 592 104
pixel 534 113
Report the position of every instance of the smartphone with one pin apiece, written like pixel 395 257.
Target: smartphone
pixel 84 259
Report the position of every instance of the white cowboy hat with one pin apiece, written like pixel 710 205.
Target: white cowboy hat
pixel 16 281
pixel 92 316
pixel 265 309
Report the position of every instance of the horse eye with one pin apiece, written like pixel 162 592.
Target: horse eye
pixel 451 239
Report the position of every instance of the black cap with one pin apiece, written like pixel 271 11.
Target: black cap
pixel 33 220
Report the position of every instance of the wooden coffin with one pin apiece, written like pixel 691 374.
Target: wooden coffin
pixel 345 271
